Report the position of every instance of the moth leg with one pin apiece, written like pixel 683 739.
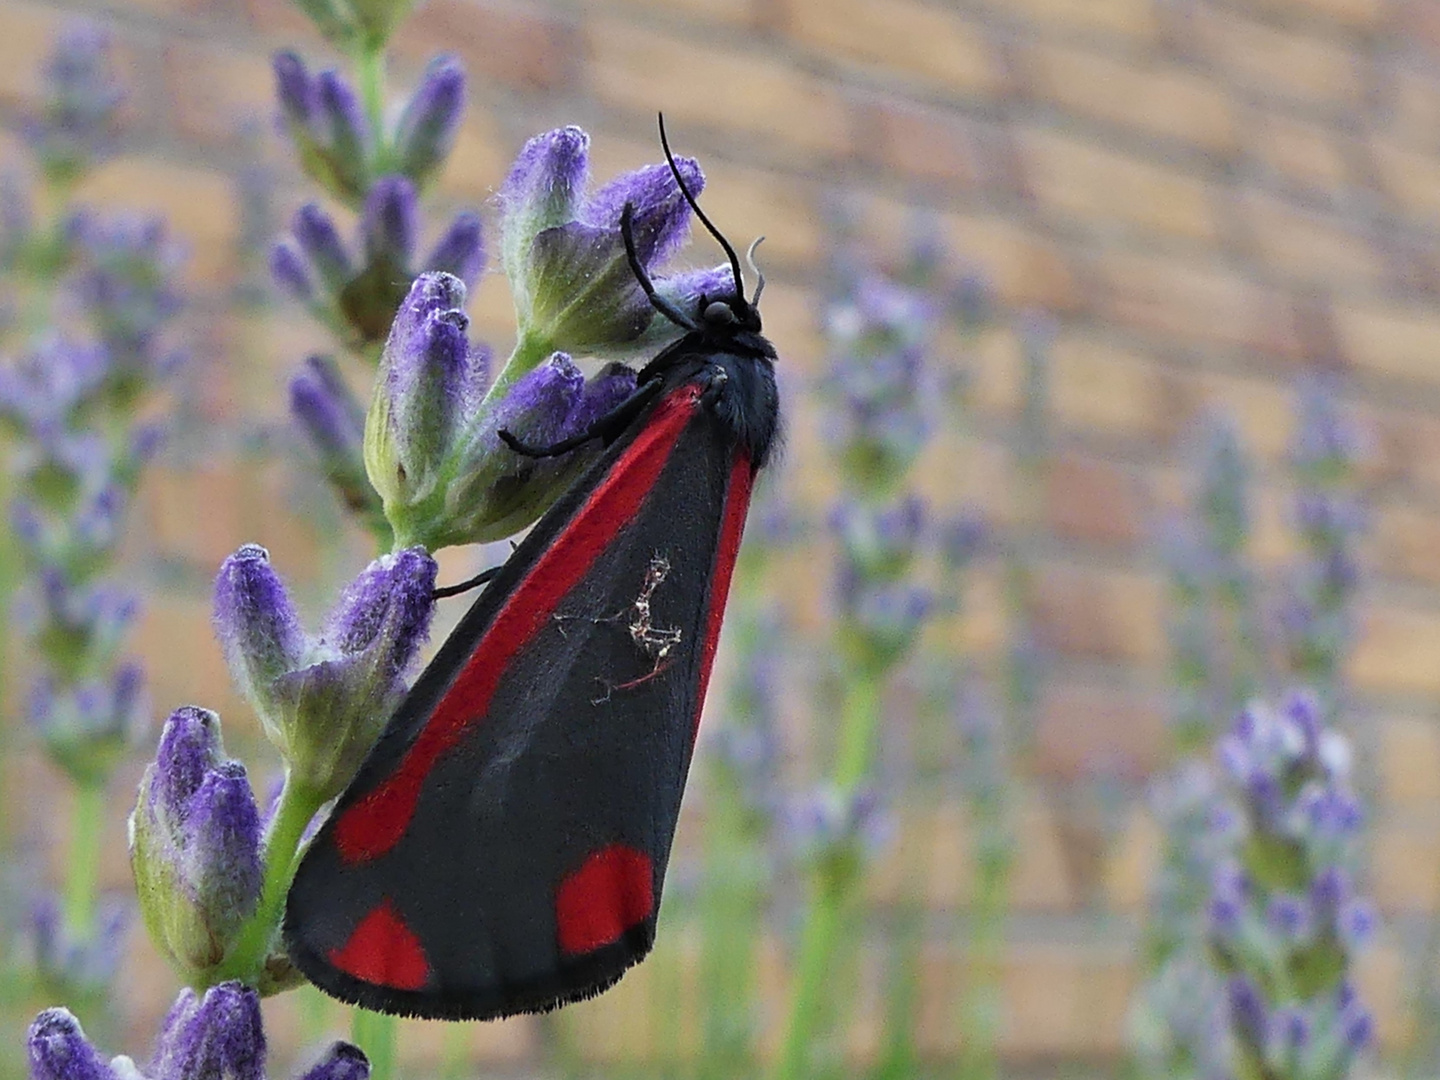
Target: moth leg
pixel 465 586
pixel 605 427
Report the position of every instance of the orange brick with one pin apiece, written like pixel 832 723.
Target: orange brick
pixel 199 204
pixel 1303 157
pixel 1309 248
pixel 1093 501
pixel 731 12
pixel 500 42
pixel 1405 866
pixel 1399 342
pixel 1154 99
pixel 633 67
pixel 1298 67
pixel 217 92
pixel 1414 106
pixel 1410 177
pixel 1409 762
pixel 1113 615
pixel 1065 1000
pixel 916 40
pixel 1131 19
pixel 1084 728
pixel 1101 189
pixel 1407 448
pixel 1106 390
pixel 1185 299
pixel 1396 651
pixel 932 145
pixel 1406 539
pixel 1358 14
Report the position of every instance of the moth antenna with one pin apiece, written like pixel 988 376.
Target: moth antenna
pixel 759 277
pixel 709 225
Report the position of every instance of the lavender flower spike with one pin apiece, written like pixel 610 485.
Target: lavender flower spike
pixel 573 286
pixel 60 1051
pixel 431 119
pixel 324 706
pixel 429 379
pixel 195 846
pixel 215 1037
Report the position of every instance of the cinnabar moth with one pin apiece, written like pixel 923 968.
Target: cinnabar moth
pixel 503 847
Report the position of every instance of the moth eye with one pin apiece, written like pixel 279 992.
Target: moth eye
pixel 717 311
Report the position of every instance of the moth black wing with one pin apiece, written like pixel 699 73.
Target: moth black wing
pixel 503 848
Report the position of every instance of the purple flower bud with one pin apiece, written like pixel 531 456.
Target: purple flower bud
pixel 389 223
pixel 318 238
pixel 1293 1029
pixel 327 412
pixel 219 1035
pixel 429 381
pixel 461 251
pixel 1329 891
pixel 1247 1011
pixel 90 962
pixel 1357 923
pixel 89 728
pixel 1357 1029
pixel 347 133
pixel 541 191
pixel 427 128
pixel 882 619
pixel 661 214
pixel 59 1050
pixel 828 823
pixel 329 711
pixel 1289 916
pixel 494 492
pixel 256 625
pixel 295 90
pixel 290 271
pixel 341 1061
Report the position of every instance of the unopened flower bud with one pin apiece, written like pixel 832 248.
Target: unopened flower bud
pixel 195 845
pixel 428 125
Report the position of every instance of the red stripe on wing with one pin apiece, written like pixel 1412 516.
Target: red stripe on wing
pixel 377 820
pixel 737 505
pixel 384 951
pixel 611 892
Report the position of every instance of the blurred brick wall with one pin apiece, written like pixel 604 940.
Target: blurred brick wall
pixel 1211 197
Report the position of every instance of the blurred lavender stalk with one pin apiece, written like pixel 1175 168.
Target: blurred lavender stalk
pixel 1317 618
pixel 71 403
pixel 877 387
pixel 1285 920
pixel 1214 670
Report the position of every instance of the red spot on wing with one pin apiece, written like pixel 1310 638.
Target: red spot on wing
pixel 732 528
pixel 375 822
pixel 384 951
pixel 612 892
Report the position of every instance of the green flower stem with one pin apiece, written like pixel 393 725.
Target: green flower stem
pixel 375 1034
pixel 297 806
pixel 821 937
pixel 530 350
pixel 980 1000
pixel 83 874
pixel 370 72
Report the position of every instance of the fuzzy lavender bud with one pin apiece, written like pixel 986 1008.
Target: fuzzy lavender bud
pixel 325 409
pixel 59 1050
pixel 461 250
pixel 427 128
pixel 195 845
pixel 563 253
pixel 347 134
pixel 323 699
pixel 389 223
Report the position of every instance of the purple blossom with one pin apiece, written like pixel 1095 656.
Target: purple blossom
pixel 215 1036
pixel 565 258
pixel 461 250
pixel 65 959
pixel 332 420
pixel 322 700
pixel 389 222
pixel 81 100
pixel 195 845
pixel 428 126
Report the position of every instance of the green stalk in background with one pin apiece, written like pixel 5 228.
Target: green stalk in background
pixel 879 333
